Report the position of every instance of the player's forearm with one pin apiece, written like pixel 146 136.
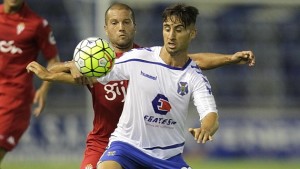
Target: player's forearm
pixel 210 122
pixel 208 61
pixel 46 84
pixel 60 77
pixel 60 67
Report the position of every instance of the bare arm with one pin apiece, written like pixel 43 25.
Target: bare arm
pixel 69 67
pixel 46 85
pixel 58 73
pixel 42 92
pixel 208 61
pixel 209 126
pixel 59 67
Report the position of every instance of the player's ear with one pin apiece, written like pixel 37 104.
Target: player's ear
pixel 134 26
pixel 193 33
pixel 105 29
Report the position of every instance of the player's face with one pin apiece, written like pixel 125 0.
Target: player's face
pixel 120 29
pixel 177 37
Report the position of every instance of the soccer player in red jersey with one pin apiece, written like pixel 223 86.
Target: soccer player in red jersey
pixel 23 35
pixel 108 99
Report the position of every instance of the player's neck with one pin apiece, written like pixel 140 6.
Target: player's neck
pixel 122 49
pixel 178 59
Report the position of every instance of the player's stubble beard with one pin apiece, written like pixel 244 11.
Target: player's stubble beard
pixel 124 44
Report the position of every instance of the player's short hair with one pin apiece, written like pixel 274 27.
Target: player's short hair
pixel 118 5
pixel 186 14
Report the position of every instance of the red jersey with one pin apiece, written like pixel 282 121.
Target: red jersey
pixel 22 36
pixel 108 101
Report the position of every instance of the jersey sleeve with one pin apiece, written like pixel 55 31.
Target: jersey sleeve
pixel 203 97
pixel 46 41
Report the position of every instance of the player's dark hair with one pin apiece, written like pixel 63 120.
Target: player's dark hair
pixel 186 14
pixel 118 5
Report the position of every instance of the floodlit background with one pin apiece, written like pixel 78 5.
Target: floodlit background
pixel 259 107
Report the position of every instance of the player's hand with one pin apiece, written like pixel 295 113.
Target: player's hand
pixel 83 80
pixel 39 70
pixel 40 101
pixel 79 77
pixel 244 57
pixel 40 95
pixel 201 135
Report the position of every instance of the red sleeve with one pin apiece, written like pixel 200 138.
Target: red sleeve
pixel 46 41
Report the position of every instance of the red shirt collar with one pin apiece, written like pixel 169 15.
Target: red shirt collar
pixel 119 54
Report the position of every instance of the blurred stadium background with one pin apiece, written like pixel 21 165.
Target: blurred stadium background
pixel 259 107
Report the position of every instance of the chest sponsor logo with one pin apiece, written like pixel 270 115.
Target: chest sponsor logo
pixel 155 121
pixel 9 47
pixel 115 90
pixel 161 104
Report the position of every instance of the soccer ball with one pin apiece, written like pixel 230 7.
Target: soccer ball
pixel 94 57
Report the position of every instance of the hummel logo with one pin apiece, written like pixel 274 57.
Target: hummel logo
pixel 148 76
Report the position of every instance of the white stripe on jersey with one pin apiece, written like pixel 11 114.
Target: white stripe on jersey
pixel 157 101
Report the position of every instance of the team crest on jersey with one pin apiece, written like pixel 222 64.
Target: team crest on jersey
pixel 182 88
pixel 161 104
pixel 20 28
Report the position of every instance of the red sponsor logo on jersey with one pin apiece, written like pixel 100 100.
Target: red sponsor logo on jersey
pixel 161 104
pixel 164 105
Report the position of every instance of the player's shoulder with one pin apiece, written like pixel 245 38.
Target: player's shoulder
pixel 142 52
pixel 1 9
pixel 193 68
pixel 145 49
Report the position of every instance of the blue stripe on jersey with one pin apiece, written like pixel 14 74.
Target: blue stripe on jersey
pixel 165 148
pixel 157 63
